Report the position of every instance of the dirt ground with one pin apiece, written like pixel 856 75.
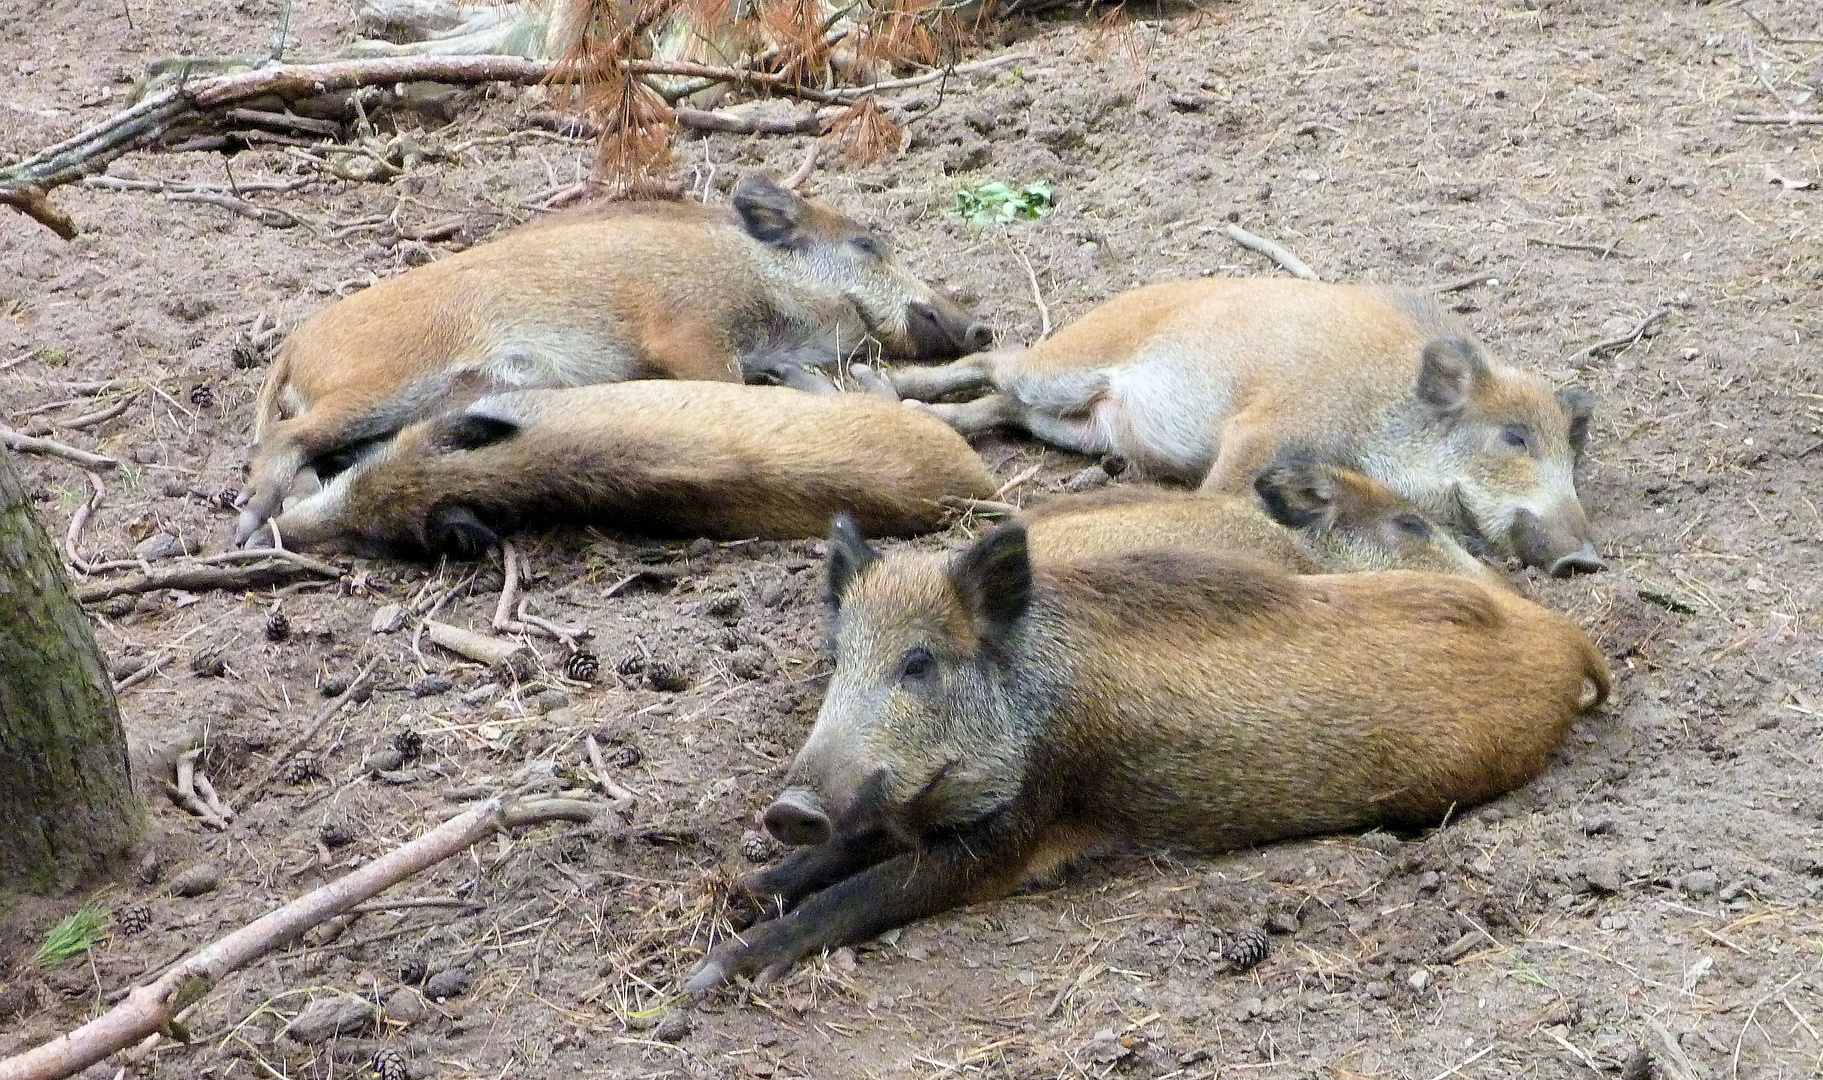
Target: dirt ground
pixel 1659 889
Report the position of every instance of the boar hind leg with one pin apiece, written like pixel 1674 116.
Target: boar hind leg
pixel 1081 433
pixel 926 383
pixel 1247 446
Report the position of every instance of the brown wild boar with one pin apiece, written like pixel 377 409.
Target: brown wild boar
pixel 987 720
pixel 1309 518
pixel 659 456
pixel 1206 380
pixel 624 291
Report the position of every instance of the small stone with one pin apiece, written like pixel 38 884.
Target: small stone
pixel 1430 881
pixel 1382 842
pixel 384 760
pixel 1105 1048
pixel 1699 882
pixel 327 1017
pixel 482 694
pixel 1597 826
pixel 1282 922
pixel 431 685
pixel 387 619
pixel 551 700
pixel 335 834
pixel 448 983
pixel 194 880
pixel 727 607
pixel 1601 875
pixel 672 1026
pixel 333 686
pixel 772 594
pixel 1419 979
pixel 164 545
pixel 1379 989
pixel 700 546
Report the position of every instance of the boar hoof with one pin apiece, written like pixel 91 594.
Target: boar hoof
pixel 456 530
pixel 797 819
pixel 705 978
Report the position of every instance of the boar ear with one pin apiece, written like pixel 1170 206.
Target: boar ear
pixel 768 212
pixel 1580 404
pixel 849 554
pixel 1448 373
pixel 993 580
pixel 1297 490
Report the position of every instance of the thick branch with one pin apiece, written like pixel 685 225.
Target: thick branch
pixel 203 579
pixel 151 1007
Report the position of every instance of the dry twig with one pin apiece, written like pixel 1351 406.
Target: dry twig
pixel 1587 355
pixel 1277 253
pixel 323 716
pixel 30 444
pixel 275 568
pixel 1791 118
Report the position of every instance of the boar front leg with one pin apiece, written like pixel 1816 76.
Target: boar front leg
pixel 783 885
pixel 900 890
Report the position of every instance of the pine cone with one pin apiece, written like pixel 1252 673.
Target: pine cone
pixel 301 769
pixel 413 970
pixel 408 743
pixel 757 847
pixel 583 666
pixel 201 396
pixel 1248 950
pixel 625 757
pixel 334 834
pixel 389 1064
pixel 227 497
pixel 135 919
pixel 278 628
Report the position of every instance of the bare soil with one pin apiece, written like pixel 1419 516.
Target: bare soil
pixel 1659 890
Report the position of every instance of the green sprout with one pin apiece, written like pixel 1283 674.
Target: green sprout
pixel 71 937
pixel 999 203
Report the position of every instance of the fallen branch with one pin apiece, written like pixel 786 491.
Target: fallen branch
pixel 1278 254
pixel 1779 118
pixel 31 444
pixel 1001 492
pixel 273 571
pixel 78 423
pixel 509 656
pixel 265 215
pixel 1583 357
pixel 151 1007
pixel 1757 21
pixel 72 540
pixel 977 506
pixel 1465 283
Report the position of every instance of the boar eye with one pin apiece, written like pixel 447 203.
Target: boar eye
pixel 1517 437
pixel 1412 525
pixel 868 246
pixel 918 666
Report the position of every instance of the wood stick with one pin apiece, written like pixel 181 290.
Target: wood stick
pixel 31 444
pixel 509 656
pixel 250 554
pixel 1016 482
pixel 979 506
pixel 1464 283
pixel 802 172
pixel 151 1007
pixel 509 588
pixel 265 215
pixel 1585 356
pixel 1779 118
pixel 1757 21
pixel 1604 250
pixel 86 420
pixel 72 539
pixel 274 571
pixel 307 125
pixel 1278 254
pixel 1044 309
pixel 323 716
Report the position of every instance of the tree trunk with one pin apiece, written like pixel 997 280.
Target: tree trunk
pixel 67 805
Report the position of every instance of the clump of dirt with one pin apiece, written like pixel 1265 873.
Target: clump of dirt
pixel 1571 165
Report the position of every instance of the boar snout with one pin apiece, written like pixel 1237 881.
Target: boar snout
pixel 942 329
pixel 1559 552
pixel 797 818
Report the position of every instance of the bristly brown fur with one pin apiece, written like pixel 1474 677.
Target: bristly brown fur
pixel 1130 494
pixel 1171 585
